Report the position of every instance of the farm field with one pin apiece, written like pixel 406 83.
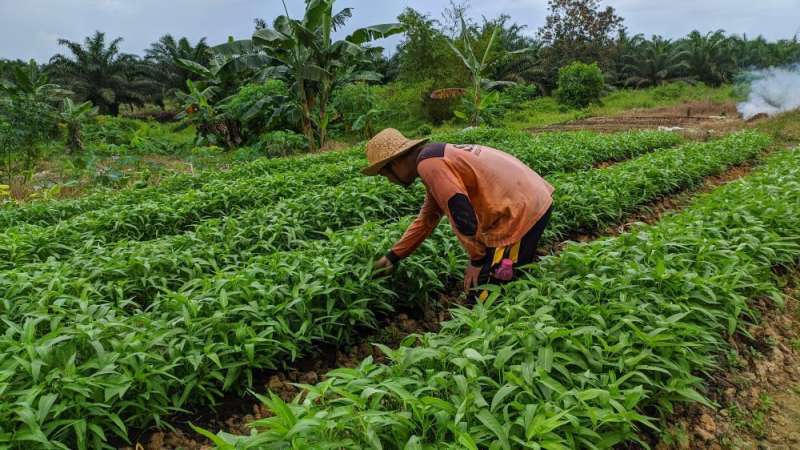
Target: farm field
pixel 399 226
pixel 147 327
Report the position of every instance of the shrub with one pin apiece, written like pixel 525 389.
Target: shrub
pixel 32 122
pixel 205 156
pixel 282 143
pixel 490 110
pixel 111 130
pixel 439 110
pixel 406 106
pixel 116 135
pixel 579 84
pixel 352 102
pixel 520 93
pixel 246 154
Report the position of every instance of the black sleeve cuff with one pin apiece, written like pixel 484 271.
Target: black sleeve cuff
pixel 479 262
pixel 392 256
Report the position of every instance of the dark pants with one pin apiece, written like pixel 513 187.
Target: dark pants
pixel 522 252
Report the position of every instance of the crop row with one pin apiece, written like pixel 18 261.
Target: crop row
pixel 165 215
pixel 53 211
pixel 80 357
pixel 566 152
pixel 141 269
pixel 171 214
pixel 585 352
pixel 548 153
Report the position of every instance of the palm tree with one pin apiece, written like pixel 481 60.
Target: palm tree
pixel 97 71
pixel 315 62
pixel 784 51
pixel 655 62
pixel 621 52
pixel 165 54
pixel 710 57
pixel 750 52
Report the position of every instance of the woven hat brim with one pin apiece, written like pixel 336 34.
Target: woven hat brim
pixel 376 167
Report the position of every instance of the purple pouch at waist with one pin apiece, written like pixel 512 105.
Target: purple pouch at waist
pixel 505 272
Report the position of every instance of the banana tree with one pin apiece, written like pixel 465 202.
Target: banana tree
pixel 212 125
pixel 32 81
pixel 228 65
pixel 477 68
pixel 316 63
pixel 73 116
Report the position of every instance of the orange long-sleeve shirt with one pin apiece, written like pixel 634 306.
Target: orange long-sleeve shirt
pixel 491 198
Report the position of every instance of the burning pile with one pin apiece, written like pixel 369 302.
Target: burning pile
pixel 772 91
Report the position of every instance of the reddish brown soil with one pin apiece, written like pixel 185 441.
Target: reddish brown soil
pixel 758 392
pixel 235 412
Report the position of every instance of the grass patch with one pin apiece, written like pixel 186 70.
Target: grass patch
pixel 546 110
pixel 784 127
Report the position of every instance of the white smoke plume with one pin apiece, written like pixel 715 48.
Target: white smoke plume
pixel 772 91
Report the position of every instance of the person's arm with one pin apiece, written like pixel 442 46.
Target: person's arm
pixel 451 196
pixel 428 218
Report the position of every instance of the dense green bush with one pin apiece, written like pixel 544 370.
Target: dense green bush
pixel 282 143
pixel 30 122
pixel 407 105
pixel 111 130
pixel 579 84
pixel 424 130
pixel 490 110
pixel 438 111
pixel 108 135
pixel 358 108
pixel 520 93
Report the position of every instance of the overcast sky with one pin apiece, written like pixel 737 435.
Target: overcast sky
pixel 30 28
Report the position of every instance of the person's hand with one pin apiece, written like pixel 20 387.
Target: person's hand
pixel 383 266
pixel 471 276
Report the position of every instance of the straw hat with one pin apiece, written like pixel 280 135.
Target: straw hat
pixel 385 147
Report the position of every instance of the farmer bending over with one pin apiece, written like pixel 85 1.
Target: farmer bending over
pixel 497 206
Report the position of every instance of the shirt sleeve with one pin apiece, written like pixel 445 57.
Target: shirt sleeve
pixel 451 196
pixel 428 218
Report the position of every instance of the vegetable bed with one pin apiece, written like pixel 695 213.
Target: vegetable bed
pixel 89 354
pixel 574 354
